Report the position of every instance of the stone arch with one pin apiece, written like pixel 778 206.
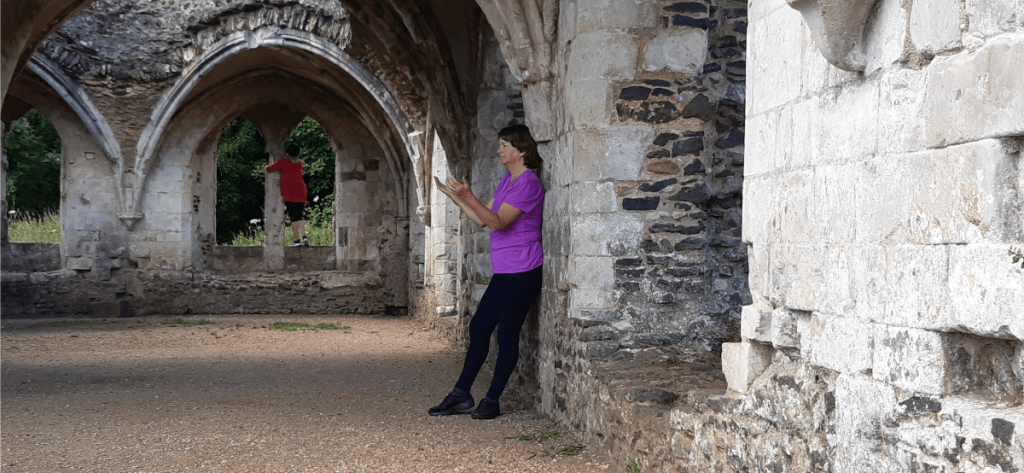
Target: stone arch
pixel 91 117
pixel 84 177
pixel 197 126
pixel 241 41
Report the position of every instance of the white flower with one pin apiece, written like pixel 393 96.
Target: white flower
pixel 316 198
pixel 254 221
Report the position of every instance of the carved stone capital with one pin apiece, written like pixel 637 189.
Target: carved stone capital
pixel 837 27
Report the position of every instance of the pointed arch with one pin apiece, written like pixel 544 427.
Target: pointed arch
pixel 76 98
pixel 266 37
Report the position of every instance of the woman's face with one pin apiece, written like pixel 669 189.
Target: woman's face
pixel 508 153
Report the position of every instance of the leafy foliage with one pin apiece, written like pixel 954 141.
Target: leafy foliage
pixel 33 173
pixel 241 155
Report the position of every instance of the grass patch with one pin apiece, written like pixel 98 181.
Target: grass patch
pixel 568 452
pixel 292 326
pixel 632 467
pixel 181 321
pixel 319 235
pixel 27 228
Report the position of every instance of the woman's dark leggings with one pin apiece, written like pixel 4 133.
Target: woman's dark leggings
pixel 505 304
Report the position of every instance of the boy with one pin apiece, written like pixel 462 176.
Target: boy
pixel 293 189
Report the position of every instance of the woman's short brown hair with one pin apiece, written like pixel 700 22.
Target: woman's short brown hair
pixel 519 136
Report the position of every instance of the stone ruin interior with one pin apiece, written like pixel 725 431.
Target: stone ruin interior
pixel 807 268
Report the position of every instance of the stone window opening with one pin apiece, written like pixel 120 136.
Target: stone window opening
pixel 33 161
pixel 239 185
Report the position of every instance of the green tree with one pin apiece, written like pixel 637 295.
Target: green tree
pixel 33 173
pixel 241 156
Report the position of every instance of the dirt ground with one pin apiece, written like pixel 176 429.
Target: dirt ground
pixel 143 395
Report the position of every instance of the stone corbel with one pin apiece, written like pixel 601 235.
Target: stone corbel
pixel 837 27
pixel 131 198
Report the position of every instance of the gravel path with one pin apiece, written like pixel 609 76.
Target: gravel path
pixel 143 395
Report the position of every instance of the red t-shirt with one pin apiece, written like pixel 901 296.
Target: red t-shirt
pixel 293 188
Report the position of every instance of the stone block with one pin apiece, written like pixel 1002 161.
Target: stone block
pixel 911 359
pixel 590 197
pixel 611 152
pixel 771 215
pixel 677 51
pixel 901 113
pixel 759 9
pixel 763 143
pixel 610 55
pixel 776 48
pixel 862 407
pixel 991 17
pixel 811 278
pixel 974 95
pixel 743 362
pixel 80 264
pixel 785 328
pixel 842 344
pixel 588 101
pixel 111 310
pixel 885 35
pixel 935 25
pixel 606 234
pixel 830 218
pixel 849 124
pixel 965 200
pixel 601 349
pixel 758 270
pixel 585 298
pixel 592 15
pixel 901 285
pixel 986 292
pixel 538 110
pixel 756 324
pixel 593 273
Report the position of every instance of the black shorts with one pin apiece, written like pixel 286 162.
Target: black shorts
pixel 294 211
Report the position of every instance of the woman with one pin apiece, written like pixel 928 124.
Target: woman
pixel 514 217
pixel 293 190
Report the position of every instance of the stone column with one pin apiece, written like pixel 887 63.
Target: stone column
pixel 273 205
pixel 3 187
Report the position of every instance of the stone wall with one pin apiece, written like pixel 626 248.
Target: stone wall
pixel 70 293
pixel 642 216
pixel 880 208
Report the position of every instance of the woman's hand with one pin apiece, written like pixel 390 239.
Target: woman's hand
pixel 460 189
pixel 444 189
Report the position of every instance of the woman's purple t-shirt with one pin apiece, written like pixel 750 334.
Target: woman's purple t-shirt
pixel 516 248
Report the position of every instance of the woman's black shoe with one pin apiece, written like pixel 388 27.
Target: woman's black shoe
pixel 452 405
pixel 487 409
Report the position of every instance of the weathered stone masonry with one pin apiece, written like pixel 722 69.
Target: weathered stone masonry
pixel 803 268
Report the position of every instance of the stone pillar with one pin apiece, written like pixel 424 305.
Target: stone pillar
pixel 273 205
pixel 3 187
